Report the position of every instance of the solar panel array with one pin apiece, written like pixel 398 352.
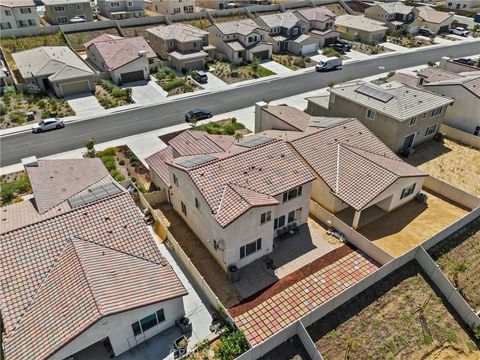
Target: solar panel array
pixel 253 141
pixel 96 193
pixel 374 93
pixel 195 160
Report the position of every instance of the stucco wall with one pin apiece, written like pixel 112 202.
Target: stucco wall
pixel 267 121
pixel 70 11
pixel 139 64
pixel 119 330
pixel 16 15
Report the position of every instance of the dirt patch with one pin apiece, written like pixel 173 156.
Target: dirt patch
pixel 77 39
pixel 451 161
pixel 337 9
pixel 458 257
pixel 409 41
pixel 138 30
pixel 294 62
pixel 200 23
pixel 369 49
pixel 292 349
pixel 401 317
pixel 231 73
pixel 109 95
pixel 214 275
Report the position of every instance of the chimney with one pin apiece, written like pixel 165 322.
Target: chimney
pixel 30 161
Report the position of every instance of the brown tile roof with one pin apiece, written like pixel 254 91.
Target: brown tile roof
pixel 234 184
pixel 431 15
pixel 367 167
pixel 191 142
pixel 54 181
pixel 317 14
pixel 406 79
pixel 242 27
pixel 178 32
pixel 157 163
pixel 290 115
pixel 469 82
pixel 434 74
pixel 54 274
pixel 103 37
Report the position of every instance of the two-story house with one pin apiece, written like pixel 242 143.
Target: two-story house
pixel 170 7
pixel 401 116
pixel 18 14
pixel 184 46
pixel 322 24
pixel 121 9
pixel 289 33
pixel 427 17
pixel 240 41
pixel 235 195
pixel 59 12
pixel 396 15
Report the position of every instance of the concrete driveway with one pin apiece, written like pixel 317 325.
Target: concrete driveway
pixel 85 104
pixel 214 83
pixel 144 93
pixel 277 68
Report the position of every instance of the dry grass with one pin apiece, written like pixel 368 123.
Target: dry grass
pixel 77 39
pixel 200 23
pixel 138 30
pixel 408 41
pixel 224 71
pixel 400 317
pixel 452 162
pixel 368 49
pixel 294 62
pixel 236 17
pixel 337 9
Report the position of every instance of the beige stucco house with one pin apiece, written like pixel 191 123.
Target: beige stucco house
pixel 322 24
pixel 16 14
pixel 361 28
pixel 396 15
pixel 184 46
pixel 121 9
pixel 59 12
pixel 467 5
pixel 399 115
pixel 235 195
pixel 171 7
pixel 214 4
pixel 428 18
pixel 55 68
pixel 240 41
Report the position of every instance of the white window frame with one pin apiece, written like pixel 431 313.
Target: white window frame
pixel 409 190
pixel 59 8
pixel 429 131
pixel 8 12
pixel 258 246
pixel 371 111
pixel 265 217
pixel 413 120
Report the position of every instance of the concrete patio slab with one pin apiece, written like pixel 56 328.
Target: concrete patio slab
pixel 277 68
pixel 85 105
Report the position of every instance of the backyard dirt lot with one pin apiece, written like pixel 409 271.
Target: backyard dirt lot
pixel 77 39
pixel 292 349
pixel 459 258
pixel 400 317
pixel 451 161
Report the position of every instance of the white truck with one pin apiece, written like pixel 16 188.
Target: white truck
pixel 459 31
pixel 330 63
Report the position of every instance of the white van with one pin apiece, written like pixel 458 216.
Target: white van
pixel 329 64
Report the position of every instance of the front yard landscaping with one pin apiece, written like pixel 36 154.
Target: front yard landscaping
pixel 231 73
pixel 223 127
pixel 328 51
pixel 77 39
pixel 368 48
pixel 458 257
pixel 110 95
pixel 173 84
pixel 294 62
pixel 14 107
pixel 400 317
pixel 409 41
pixel 13 186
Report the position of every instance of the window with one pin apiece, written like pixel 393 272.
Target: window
pixel 22 23
pixel 31 22
pixel 298 213
pixel 477 131
pixel 250 39
pixel 59 8
pixel 291 216
pixel 130 3
pixel 5 25
pixel 175 179
pixel 292 194
pixel 197 204
pixel 294 215
pixel 279 222
pixel 430 130
pixel 413 121
pixel 295 31
pixel 148 322
pixel 160 316
pixel 449 4
pixel 184 208
pixel 194 44
pixel 114 4
pixel 437 111
pixel 79 7
pixel 304 29
pixel 62 20
pixel 137 330
pixel 424 116
pixel 407 191
pixel 250 248
pixel 370 114
pixel 8 13
pixel 265 217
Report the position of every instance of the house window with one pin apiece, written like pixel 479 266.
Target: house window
pixel 294 215
pixel 292 194
pixel 407 191
pixel 194 44
pixel 197 204
pixel 437 111
pixel 413 121
pixel 160 316
pixel 175 179
pixel 449 4
pixel 8 13
pixel 137 330
pixel 250 39
pixel 265 217
pixel 26 10
pixel 59 8
pixel 62 20
pixel 477 131
pixel 430 130
pixel 424 116
pixel 79 7
pixel 148 322
pixel 5 25
pixel 130 3
pixel 114 4
pixel 279 222
pixel 31 22
pixel 370 114
pixel 250 248
pixel 295 31
pixel 22 23
pixel 304 29
pixel 184 208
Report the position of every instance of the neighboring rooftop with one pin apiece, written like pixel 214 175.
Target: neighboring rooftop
pixel 321 14
pixel 16 3
pixel 469 82
pixel 403 78
pixel 242 27
pixel 431 15
pixel 286 20
pixel 360 22
pixel 290 115
pixel 179 32
pixel 396 7
pixel 432 74
pixel 63 2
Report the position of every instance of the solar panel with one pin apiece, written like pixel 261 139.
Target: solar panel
pixel 253 141
pixel 95 193
pixel 195 160
pixel 375 93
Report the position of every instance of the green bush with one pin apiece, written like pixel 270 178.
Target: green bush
pixel 3 109
pixel 10 189
pixel 232 345
pixel 118 93
pixel 229 129
pixel 164 72
pixel 109 162
pixel 107 85
pixel 18 117
pixel 110 151
pixel 122 162
pixel 116 175
pixel 330 52
pixel 233 120
pixel 174 83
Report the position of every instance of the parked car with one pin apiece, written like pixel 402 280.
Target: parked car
pixel 426 32
pixel 198 114
pixel 200 77
pixel 342 44
pixel 339 47
pixel 459 31
pixel 465 61
pixel 330 63
pixel 48 124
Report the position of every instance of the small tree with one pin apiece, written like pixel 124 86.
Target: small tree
pixel 255 65
pixel 238 136
pixel 431 63
pixel 90 145
pixel 455 23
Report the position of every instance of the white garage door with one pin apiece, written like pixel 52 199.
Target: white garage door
pixel 308 49
pixel 75 88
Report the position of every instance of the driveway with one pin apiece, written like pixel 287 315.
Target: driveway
pixel 85 105
pixel 214 83
pixel 277 68
pixel 144 93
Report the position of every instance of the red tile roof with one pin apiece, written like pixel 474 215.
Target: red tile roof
pixel 191 142
pixel 157 163
pixel 292 116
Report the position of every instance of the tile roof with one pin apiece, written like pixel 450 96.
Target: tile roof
pixel 290 115
pixel 54 181
pixel 317 14
pixel 242 27
pixel 366 166
pixel 431 15
pixel 117 51
pixel 157 163
pixel 103 37
pixel 432 74
pixel 405 101
pixel 179 32
pixel 406 79
pixel 360 22
pixel 286 20
pixel 54 274
pixel 469 82
pixel 396 7
pixel 192 142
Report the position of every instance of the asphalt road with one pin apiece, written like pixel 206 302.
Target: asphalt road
pixel 113 126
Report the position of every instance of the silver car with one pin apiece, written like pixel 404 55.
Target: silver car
pixel 48 124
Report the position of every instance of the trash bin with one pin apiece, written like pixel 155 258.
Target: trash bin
pixel 233 273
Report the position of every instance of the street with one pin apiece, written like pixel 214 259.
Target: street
pixel 112 126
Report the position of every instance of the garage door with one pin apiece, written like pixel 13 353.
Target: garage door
pixel 308 49
pixel 261 54
pixel 75 88
pixel 194 65
pixel 443 29
pixel 132 76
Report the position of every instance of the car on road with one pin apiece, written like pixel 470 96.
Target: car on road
pixel 200 77
pixel 426 32
pixel 198 114
pixel 48 124
pixel 459 31
pixel 330 63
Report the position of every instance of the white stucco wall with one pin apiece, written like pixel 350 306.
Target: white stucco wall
pixel 17 15
pixel 139 64
pixel 119 330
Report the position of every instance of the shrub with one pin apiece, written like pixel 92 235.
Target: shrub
pixel 122 162
pixel 233 120
pixel 330 52
pixel 117 92
pixel 9 190
pixel 90 145
pixel 3 109
pixel 141 188
pixel 174 83
pixel 110 151
pixel 255 65
pixel 134 179
pixel 331 84
pixel 18 117
pixel 107 85
pixel 117 176
pixel 232 345
pixel 109 162
pixel 229 129
pixel 164 72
